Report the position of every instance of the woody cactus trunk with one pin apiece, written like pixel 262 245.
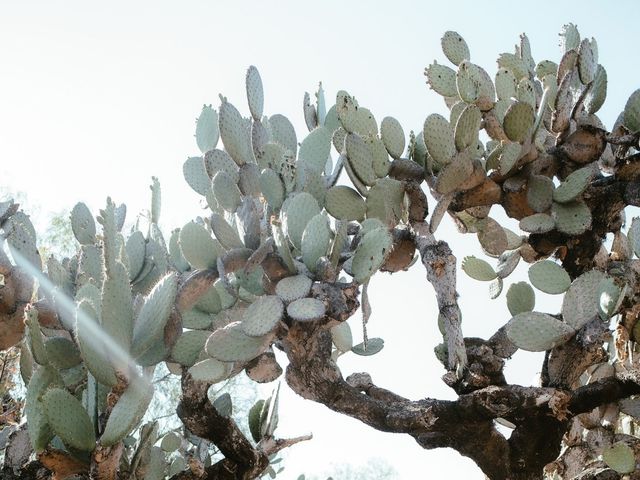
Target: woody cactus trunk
pixel 284 257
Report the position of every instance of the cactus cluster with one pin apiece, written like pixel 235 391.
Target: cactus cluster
pixel 282 222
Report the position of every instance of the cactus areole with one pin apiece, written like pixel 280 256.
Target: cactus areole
pixel 295 231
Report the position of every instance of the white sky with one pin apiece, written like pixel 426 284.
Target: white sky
pixel 96 97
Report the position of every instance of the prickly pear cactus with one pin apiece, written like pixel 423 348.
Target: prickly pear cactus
pixel 294 227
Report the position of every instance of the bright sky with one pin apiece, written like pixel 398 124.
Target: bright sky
pixel 96 97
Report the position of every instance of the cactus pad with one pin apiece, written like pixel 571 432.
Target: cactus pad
pixel 520 298
pixel 342 337
pixel 574 185
pixel 127 412
pixel 518 121
pixel 374 345
pixel 371 253
pixel 198 247
pixel 478 269
pixel 467 126
pixel 439 139
pixel 255 93
pixel 572 218
pixel 581 303
pixel 540 193
pixel 537 332
pixel 231 344
pixel 196 175
pixel 210 370
pixel 620 457
pixel 83 224
pixel 392 136
pixel 344 203
pixel 68 419
pixel 298 211
pixel 207 133
pixel 306 309
pixel 549 277
pixel 188 346
pixel 293 288
pixel 537 223
pixel 154 314
pixel 316 240
pixel 441 79
pixel 234 133
pixel 454 47
pixel 262 316
pixel 360 158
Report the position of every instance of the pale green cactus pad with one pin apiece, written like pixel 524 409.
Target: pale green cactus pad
pixel 540 193
pixel 170 442
pixel 467 126
pixel 315 149
pixel 360 158
pixel 526 92
pixel 249 183
pixel 234 133
pixel 68 419
pixel 255 93
pixel 62 352
pixel 508 156
pixel 342 337
pixel 219 161
pixel 344 203
pixel 518 121
pixel 546 67
pixel 441 79
pixel 520 298
pixel 549 277
pixel 506 84
pixel 262 316
pixel 136 249
pixel 572 218
pixel 598 92
pixel 154 314
pixel 198 247
pixel 392 136
pixel 581 303
pixel 127 412
pixel 537 332
pixel 631 117
pixel 610 297
pixel 188 346
pixel 226 191
pixel 569 37
pixel 91 346
pixel 297 212
pixel 379 156
pixel 225 233
pixel 537 223
pixel 454 174
pixel 467 83
pixel 374 345
pixel 306 309
pixel 454 47
pixel 620 457
pixel 195 318
pixel 231 344
pixel 439 139
pixel 371 253
pixel 316 240
pixel 514 63
pixel 272 188
pixel 574 185
pixel 196 175
pixel 39 431
pixel 587 62
pixel 82 224
pixel 117 308
pixel 478 269
pixel 210 370
pixel 282 132
pixel 207 133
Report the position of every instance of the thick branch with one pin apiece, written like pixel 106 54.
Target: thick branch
pixel 242 459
